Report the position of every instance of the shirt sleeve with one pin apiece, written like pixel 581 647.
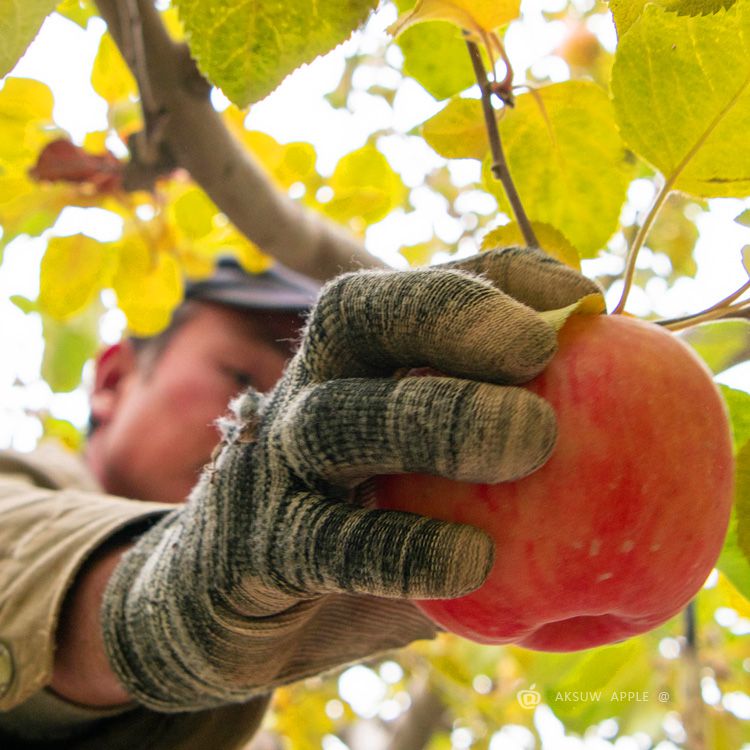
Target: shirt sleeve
pixel 45 537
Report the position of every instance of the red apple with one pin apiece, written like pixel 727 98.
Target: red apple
pixel 620 528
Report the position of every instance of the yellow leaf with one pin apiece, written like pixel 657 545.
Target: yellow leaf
pixel 148 286
pixel 551 240
pixel 111 77
pixel 286 163
pixel 95 142
pixel 365 187
pixel 73 270
pixel 591 304
pixel 252 258
pixel 126 117
pixel 62 431
pixel 193 213
pixel 458 131
pixel 475 15
pixel 27 207
pixel 171 20
pixel 418 255
pixel 25 119
pixel 228 241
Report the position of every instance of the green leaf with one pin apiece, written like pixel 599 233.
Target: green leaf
pixel 744 218
pixel 78 11
pixel 20 21
pixel 435 55
pixel 735 556
pixel 458 131
pixel 681 91
pixel 247 47
pixel 721 344
pixel 24 304
pixel 738 403
pixel 68 346
pixel 586 687
pixel 627 12
pixel 567 161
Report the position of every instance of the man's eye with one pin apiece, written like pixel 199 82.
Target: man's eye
pixel 240 377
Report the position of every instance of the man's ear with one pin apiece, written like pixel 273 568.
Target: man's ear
pixel 113 366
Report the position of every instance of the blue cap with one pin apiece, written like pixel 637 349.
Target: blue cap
pixel 278 289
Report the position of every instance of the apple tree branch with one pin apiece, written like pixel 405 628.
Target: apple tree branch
pixel 184 130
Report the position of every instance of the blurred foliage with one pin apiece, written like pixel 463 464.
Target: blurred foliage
pixel 677 113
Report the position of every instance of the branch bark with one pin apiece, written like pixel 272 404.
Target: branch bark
pixel 195 137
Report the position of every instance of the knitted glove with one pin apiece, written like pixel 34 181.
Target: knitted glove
pixel 198 613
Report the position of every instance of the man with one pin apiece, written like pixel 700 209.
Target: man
pixel 141 623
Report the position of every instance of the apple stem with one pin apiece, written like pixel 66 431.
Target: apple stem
pixel 499 164
pixel 638 242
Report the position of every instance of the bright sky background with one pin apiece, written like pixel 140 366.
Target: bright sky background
pixel 62 56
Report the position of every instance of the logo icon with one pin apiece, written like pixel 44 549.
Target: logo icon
pixel 529 698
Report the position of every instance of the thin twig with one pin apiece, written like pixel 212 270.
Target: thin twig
pixel 635 248
pixel 720 308
pixel 729 311
pixel 499 165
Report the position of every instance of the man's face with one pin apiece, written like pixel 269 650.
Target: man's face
pixel 156 423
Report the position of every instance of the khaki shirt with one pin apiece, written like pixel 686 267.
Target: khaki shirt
pixel 53 516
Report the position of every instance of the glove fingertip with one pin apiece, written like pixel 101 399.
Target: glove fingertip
pixel 470 565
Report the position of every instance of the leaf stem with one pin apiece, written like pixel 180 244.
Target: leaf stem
pixel 728 311
pixel 499 164
pixel 638 242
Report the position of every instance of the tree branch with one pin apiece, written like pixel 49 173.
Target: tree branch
pixel 425 716
pixel 194 136
pixel 694 715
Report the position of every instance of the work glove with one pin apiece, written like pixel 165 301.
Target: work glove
pixel 226 596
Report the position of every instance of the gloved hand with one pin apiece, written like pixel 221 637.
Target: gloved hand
pixel 208 598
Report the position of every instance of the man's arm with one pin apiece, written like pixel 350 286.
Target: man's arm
pixel 82 672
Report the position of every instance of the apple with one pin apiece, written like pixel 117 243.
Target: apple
pixel 617 532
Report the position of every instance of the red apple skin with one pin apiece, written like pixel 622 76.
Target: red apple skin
pixel 621 527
